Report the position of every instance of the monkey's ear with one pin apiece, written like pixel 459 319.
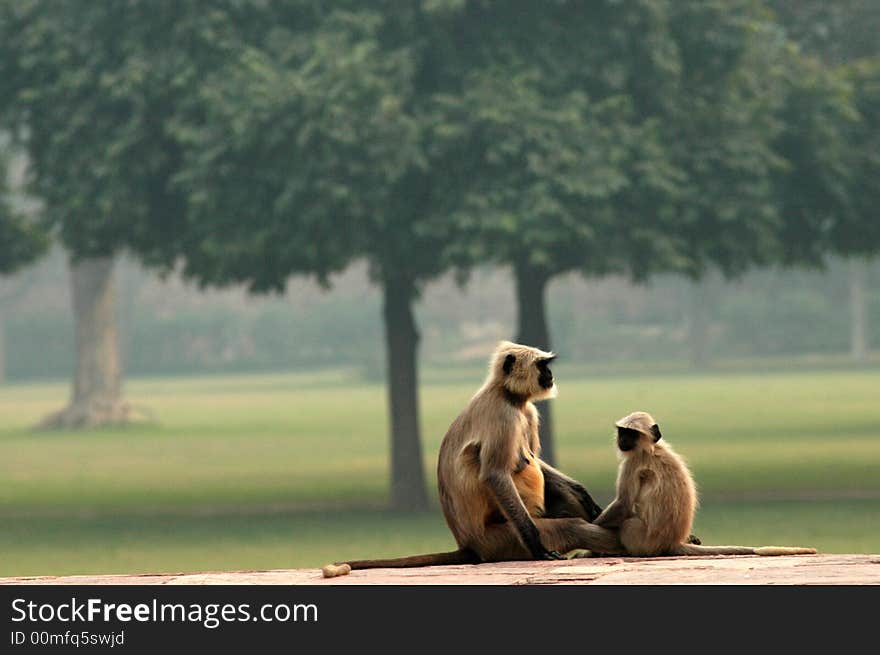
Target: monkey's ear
pixel 655 430
pixel 508 364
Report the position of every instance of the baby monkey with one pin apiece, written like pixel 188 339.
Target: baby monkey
pixel 657 498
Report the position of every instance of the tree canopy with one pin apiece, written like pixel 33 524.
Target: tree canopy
pixel 830 126
pixel 22 239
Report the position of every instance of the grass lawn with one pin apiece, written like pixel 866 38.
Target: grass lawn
pixel 259 471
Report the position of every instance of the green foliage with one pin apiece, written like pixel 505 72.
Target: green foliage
pixel 306 157
pixel 831 126
pixel 554 135
pixel 21 239
pixel 857 228
pixel 719 129
pixel 89 90
pixel 263 140
pixel 815 189
pixel 640 137
pixel 539 171
pixel 838 32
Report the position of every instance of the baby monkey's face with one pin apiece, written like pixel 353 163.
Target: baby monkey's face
pixel 627 439
pixel 636 426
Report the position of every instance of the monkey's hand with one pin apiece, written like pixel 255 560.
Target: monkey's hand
pixel 615 514
pixel 695 540
pixel 552 554
pixel 591 507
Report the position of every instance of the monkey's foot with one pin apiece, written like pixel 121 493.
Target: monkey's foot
pixel 578 553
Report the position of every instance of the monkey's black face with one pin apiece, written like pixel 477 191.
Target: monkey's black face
pixel 545 375
pixel 627 438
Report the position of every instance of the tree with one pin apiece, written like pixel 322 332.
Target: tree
pixel 108 101
pixel 89 103
pixel 356 136
pixel 312 152
pixel 544 133
pixel 842 37
pixel 631 138
pixel 57 103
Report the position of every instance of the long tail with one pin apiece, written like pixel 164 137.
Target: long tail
pixel 767 551
pixel 460 556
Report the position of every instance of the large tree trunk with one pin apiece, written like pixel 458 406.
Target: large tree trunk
pixel 408 491
pixel 858 334
pixel 532 330
pixel 97 385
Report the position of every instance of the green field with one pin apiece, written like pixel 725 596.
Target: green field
pixel 269 471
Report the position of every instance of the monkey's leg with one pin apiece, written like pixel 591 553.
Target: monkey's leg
pixel 634 537
pixel 501 542
pixel 565 497
pixel 637 542
pixel 615 514
pixel 564 535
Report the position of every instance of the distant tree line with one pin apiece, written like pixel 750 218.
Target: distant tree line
pixel 608 325
pixel 248 142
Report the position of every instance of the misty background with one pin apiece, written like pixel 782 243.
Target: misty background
pixel 171 327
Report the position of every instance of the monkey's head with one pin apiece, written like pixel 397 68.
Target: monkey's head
pixel 523 371
pixel 637 429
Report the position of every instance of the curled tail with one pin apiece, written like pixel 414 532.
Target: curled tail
pixel 460 556
pixel 767 551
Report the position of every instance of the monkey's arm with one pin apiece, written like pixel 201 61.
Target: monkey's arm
pixel 499 455
pixel 621 508
pixel 615 514
pixel 501 485
pixel 564 496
